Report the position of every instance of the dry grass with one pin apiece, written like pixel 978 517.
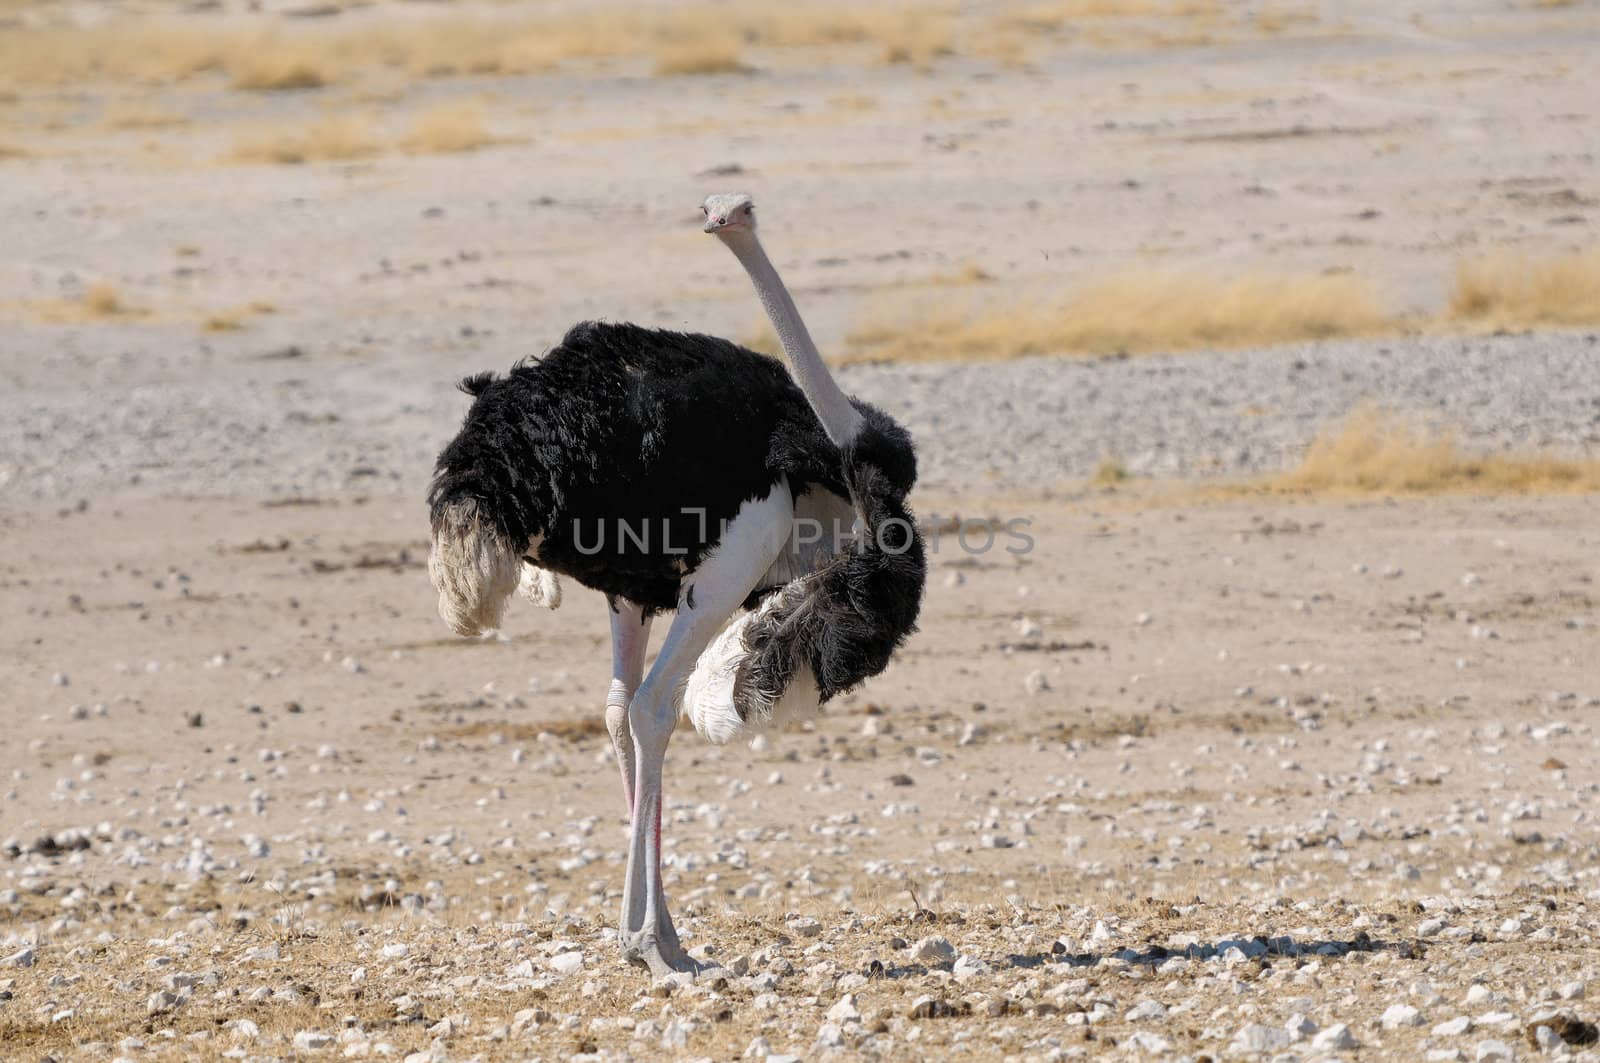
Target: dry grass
pixel 1109 473
pixel 141 116
pixel 763 339
pixel 332 139
pixel 1136 313
pixel 12 151
pixel 104 300
pixel 278 68
pixel 100 302
pixel 236 318
pixel 851 101
pixel 698 38
pixel 1506 290
pixel 1374 454
pixel 448 128
pixel 685 39
pixel 699 57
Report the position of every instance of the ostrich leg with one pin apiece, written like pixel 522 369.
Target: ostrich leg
pixel 753 541
pixel 630 638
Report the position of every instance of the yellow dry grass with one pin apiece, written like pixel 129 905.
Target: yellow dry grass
pixel 278 68
pixel 140 116
pixel 683 39
pixel 1506 290
pixel 1133 312
pixel 1109 473
pixel 101 301
pixel 851 101
pixel 104 300
pixel 331 139
pixel 699 57
pixel 235 318
pixel 448 128
pixel 1371 453
pixel 762 338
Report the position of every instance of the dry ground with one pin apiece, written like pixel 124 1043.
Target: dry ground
pixel 1187 778
pixel 246 762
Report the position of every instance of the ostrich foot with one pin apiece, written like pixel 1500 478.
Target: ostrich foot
pixel 661 958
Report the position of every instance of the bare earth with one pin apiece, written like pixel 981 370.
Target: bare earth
pixel 1186 778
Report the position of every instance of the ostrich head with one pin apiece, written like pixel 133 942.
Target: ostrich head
pixel 728 213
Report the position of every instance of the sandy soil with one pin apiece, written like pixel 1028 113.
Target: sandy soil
pixel 1185 778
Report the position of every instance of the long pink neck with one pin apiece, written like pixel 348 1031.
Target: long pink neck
pixel 833 408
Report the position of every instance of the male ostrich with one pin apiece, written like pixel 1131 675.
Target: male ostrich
pixel 681 473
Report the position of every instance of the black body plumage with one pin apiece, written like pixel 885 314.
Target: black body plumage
pixel 625 450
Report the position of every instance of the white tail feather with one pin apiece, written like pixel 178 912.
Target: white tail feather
pixel 710 699
pixel 539 585
pixel 473 569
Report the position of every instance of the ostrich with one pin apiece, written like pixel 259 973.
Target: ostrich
pixel 682 473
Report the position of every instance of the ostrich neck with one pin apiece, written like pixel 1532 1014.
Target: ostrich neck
pixel 832 406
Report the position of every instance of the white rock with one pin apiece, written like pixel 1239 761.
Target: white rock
pixel 829 1035
pixel 1494 1052
pixel 312 1040
pixel 1453 1027
pixel 398 951
pixel 160 1001
pixel 1258 1038
pixel 1546 1038
pixel 244 1029
pixel 676 1035
pixel 934 949
pixel 1151 1044
pixel 1336 1038
pixel 1400 1015
pixel 1036 682
pixel 1478 993
pixel 566 963
pixel 805 926
pixel 1573 991
pixel 1430 928
pixel 968 967
pixel 1146 1010
pixel 1300 1027
pixel 758 1049
pixel 21 958
pixel 845 1010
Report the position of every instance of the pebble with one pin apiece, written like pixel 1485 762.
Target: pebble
pixel 1336 1038
pixel 804 926
pixel 1494 1052
pixel 1257 1038
pixel 1146 1010
pixel 1151 1044
pixel 933 950
pixel 1300 1027
pixel 1453 1027
pixel 968 967
pixel 566 963
pixel 23 957
pixel 312 1040
pixel 1398 1016
pixel 845 1010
